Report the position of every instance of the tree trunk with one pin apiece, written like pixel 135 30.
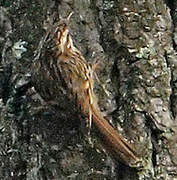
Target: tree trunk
pixel 42 132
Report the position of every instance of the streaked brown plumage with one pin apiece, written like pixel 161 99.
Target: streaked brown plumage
pixel 79 78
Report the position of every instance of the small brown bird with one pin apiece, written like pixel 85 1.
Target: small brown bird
pixel 79 78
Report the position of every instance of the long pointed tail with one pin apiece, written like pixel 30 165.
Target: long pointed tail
pixel 114 142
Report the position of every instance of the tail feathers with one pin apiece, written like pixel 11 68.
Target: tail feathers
pixel 113 141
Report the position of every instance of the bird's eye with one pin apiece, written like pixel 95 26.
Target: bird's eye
pixel 62 24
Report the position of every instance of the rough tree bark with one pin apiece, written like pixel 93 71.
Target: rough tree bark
pixel 43 137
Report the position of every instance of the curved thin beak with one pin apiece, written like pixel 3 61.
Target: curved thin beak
pixel 69 16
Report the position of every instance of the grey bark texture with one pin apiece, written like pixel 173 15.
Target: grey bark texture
pixel 43 135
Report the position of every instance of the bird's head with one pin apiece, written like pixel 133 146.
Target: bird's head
pixel 62 32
